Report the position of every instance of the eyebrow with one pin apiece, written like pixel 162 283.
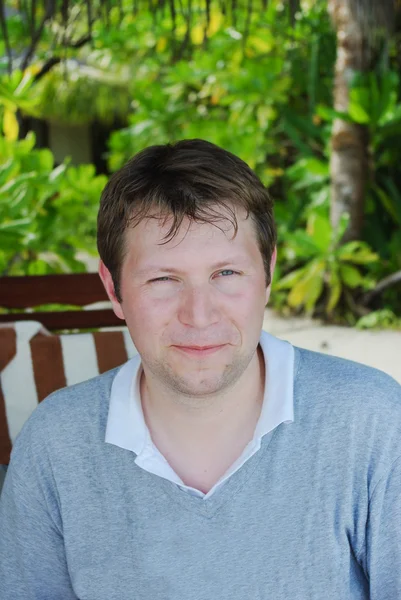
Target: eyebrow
pixel 216 266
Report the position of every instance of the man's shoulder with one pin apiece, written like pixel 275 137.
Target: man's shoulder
pixel 93 392
pixel 319 373
pixel 69 413
pixel 354 408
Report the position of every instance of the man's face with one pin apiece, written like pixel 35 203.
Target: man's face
pixel 194 306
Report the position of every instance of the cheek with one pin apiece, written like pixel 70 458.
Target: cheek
pixel 252 307
pixel 244 307
pixel 247 308
pixel 148 314
pixel 250 293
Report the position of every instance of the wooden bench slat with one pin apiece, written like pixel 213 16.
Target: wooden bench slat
pixel 79 289
pixel 72 319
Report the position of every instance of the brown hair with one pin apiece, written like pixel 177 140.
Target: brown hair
pixel 190 178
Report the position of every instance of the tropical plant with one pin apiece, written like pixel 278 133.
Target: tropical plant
pixel 375 103
pixel 323 269
pixel 380 319
pixel 47 213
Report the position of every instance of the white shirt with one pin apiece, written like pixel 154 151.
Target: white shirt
pixel 127 429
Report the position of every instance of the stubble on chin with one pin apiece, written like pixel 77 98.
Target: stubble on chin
pixel 202 382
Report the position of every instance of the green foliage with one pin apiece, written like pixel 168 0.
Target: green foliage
pixel 380 319
pixel 323 268
pixel 208 98
pixel 16 92
pixel 375 103
pixel 268 99
pixel 47 212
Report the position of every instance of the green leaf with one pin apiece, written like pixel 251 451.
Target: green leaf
pixel 315 289
pixel 38 267
pixel 341 228
pixel 361 93
pixel 16 226
pixel 6 169
pixel 288 281
pixel 308 290
pixel 46 160
pixel 298 294
pixel 335 289
pixel 296 138
pixel 351 276
pixel 388 96
pixel 356 252
pixel 392 200
pixel 16 182
pixel 329 114
pixel 308 172
pixel 57 173
pixel 303 125
pixel 300 244
pixel 319 228
pixel 358 114
pixel 10 125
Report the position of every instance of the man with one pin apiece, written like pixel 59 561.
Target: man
pixel 221 462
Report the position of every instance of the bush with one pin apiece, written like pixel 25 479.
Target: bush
pixel 47 213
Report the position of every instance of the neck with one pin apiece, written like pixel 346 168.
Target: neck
pixel 213 421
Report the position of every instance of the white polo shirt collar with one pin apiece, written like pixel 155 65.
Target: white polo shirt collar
pixel 127 429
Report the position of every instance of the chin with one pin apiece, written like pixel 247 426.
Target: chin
pixel 202 387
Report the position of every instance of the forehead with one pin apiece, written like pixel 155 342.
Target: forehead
pixel 150 237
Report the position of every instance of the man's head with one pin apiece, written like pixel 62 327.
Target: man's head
pixel 186 237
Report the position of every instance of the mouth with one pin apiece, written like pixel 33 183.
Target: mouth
pixel 199 351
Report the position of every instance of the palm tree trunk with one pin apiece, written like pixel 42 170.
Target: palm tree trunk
pixel 349 164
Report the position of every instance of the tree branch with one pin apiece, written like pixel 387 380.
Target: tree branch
pixel 382 285
pixel 55 60
pixel 37 35
pixel 357 309
pixel 49 64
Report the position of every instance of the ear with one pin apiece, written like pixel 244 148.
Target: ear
pixel 109 287
pixel 272 267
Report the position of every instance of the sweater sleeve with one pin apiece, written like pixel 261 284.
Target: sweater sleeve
pixel 383 537
pixel 32 557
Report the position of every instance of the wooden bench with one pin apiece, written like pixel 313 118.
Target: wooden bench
pixel 80 290
pixel 42 351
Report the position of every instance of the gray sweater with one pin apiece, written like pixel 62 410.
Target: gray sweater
pixel 314 514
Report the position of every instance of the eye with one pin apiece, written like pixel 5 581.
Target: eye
pixel 227 272
pixel 159 279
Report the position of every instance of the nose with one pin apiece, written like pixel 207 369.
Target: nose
pixel 198 308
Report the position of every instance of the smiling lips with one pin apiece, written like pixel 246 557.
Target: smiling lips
pixel 199 350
